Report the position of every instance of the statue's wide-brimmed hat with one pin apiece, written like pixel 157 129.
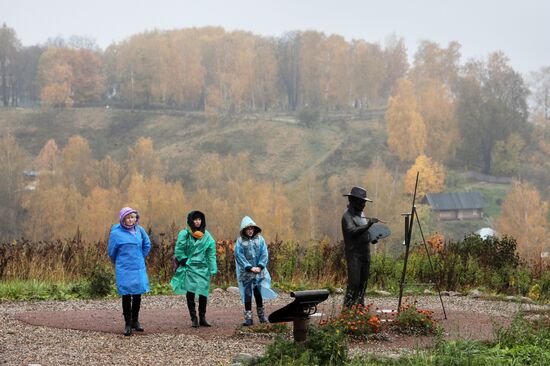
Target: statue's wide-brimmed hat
pixel 358 192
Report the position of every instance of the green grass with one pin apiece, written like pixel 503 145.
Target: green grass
pixel 493 195
pixel 37 290
pixel 522 343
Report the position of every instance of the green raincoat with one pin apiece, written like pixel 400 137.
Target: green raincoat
pixel 199 256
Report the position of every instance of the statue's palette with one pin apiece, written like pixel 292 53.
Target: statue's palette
pixel 379 231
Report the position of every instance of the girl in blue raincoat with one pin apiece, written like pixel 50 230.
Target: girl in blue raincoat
pixel 129 244
pixel 251 257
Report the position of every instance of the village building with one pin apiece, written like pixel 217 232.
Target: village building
pixel 456 205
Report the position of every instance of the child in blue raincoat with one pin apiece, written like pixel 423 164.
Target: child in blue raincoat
pixel 251 257
pixel 129 244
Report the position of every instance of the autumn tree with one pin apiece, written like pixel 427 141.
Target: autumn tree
pixel 305 201
pixel 406 127
pixel 160 203
pixel 491 105
pixel 48 158
pixel 264 83
pixel 9 47
pixel 433 62
pixel 288 57
pixel 384 188
pixel 431 177
pixel 109 173
pixel 98 213
pixel 12 163
pixel 55 77
pixel 78 165
pixel 539 83
pixel 142 158
pixel 395 66
pixel 436 106
pixel 25 72
pixel 53 213
pixel 88 84
pixel 69 76
pixel 367 69
pixel 525 218
pixel 506 155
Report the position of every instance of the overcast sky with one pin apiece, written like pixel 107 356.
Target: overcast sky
pixel 519 28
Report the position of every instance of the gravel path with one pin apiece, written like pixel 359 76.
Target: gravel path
pixel 22 343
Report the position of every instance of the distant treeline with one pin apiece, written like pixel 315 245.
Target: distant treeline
pixel 209 69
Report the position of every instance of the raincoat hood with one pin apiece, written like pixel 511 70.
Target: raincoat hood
pixel 194 214
pixel 125 212
pixel 246 222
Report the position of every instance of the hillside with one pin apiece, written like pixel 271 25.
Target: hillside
pixel 279 147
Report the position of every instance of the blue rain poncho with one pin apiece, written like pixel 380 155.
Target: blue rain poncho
pixel 252 252
pixel 127 249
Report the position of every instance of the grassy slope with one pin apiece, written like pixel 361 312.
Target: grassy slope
pixel 281 149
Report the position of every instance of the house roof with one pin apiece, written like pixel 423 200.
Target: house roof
pixel 455 201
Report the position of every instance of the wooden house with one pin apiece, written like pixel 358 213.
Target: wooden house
pixel 456 205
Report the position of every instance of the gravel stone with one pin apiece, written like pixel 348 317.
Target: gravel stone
pixel 23 344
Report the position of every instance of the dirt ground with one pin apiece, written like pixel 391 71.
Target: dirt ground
pixel 70 332
pixel 226 322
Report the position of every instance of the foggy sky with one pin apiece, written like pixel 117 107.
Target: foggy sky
pixel 519 28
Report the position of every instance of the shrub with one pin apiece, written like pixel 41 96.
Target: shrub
pixel 544 284
pixel 308 116
pixel 357 321
pixel 412 320
pixel 490 252
pixel 101 281
pixel 324 346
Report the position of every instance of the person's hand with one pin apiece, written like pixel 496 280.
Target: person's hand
pixel 256 269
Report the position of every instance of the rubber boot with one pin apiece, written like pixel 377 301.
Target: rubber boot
pixel 202 320
pixel 248 318
pixel 136 303
pixel 127 313
pixel 202 312
pixel 261 315
pixel 193 314
pixel 128 326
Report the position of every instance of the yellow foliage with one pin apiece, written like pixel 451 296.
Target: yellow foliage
pixel 77 164
pixel 437 109
pixel 431 177
pixel 525 218
pixel 142 158
pixel 49 156
pixel 53 213
pixel 406 128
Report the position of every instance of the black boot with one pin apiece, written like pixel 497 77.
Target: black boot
pixel 192 312
pixel 128 325
pixel 127 312
pixel 202 321
pixel 136 303
pixel 194 319
pixel 202 311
